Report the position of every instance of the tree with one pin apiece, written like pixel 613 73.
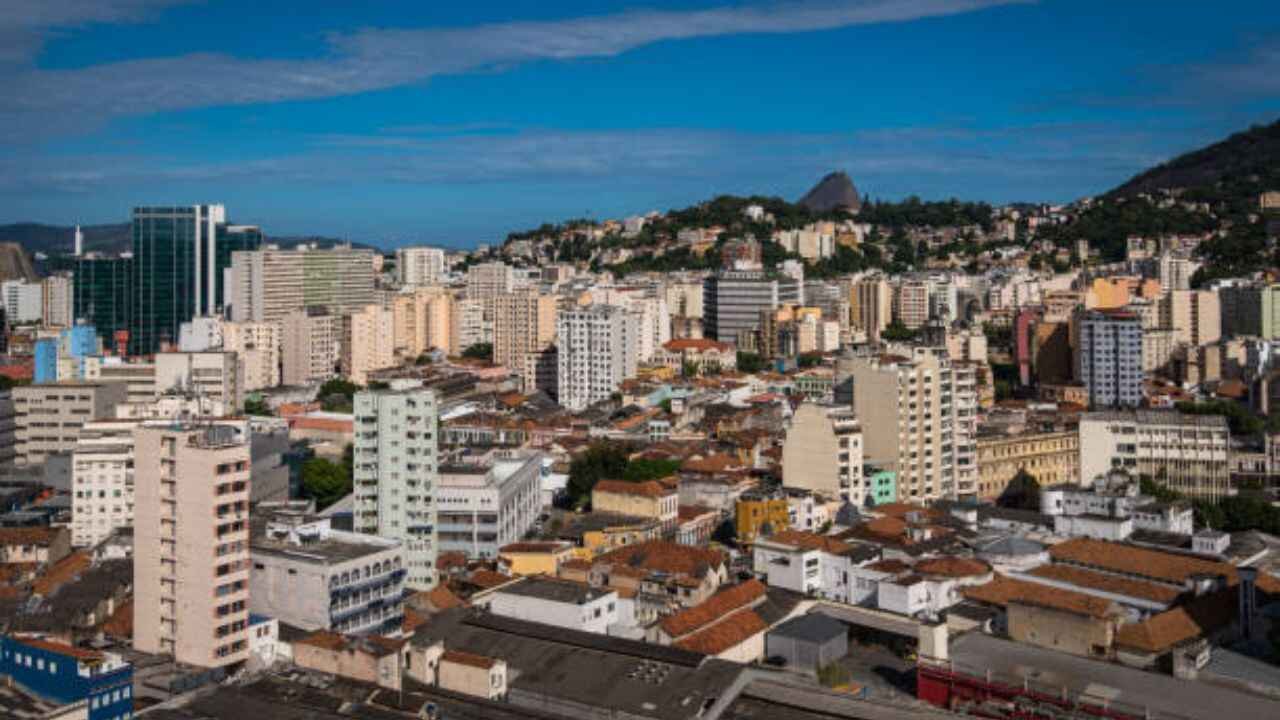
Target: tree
pixel 479 351
pixel 809 360
pixel 257 406
pixel 325 481
pixel 896 332
pixel 337 395
pixel 751 362
pixel 1022 492
pixel 640 470
pixel 601 460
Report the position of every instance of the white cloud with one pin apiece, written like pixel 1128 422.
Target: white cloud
pixel 379 58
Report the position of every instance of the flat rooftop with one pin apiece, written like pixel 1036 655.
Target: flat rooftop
pixel 562 591
pixel 1162 695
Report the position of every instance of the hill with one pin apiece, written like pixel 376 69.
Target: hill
pixel 1238 168
pixel 52 239
pixel 833 192
pixel 14 263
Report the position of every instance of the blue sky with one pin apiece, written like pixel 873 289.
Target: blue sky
pixel 427 122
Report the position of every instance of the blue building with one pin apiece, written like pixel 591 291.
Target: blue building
pixel 76 343
pixel 63 674
pixel 45 369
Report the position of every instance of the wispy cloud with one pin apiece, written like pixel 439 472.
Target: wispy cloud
pixel 380 58
pixel 26 24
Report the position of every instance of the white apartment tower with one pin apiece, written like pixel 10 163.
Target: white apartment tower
pixel 417 266
pixel 191 544
pixel 396 474
pixel 597 349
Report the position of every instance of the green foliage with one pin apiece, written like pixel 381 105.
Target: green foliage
pixel 479 351
pixel 1022 492
pixel 914 212
pixel 809 360
pixel 1240 421
pixel 751 362
pixel 325 481
pixel 423 359
pixel 1230 514
pixel 601 460
pixel 337 395
pixel 640 470
pixel 257 406
pixel 897 332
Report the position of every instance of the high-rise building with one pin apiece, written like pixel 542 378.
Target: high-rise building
pixel 1176 272
pixel 872 306
pixel 1194 316
pixel 180 255
pixel 258 346
pixel 469 325
pixel 489 280
pixel 216 376
pixel 911 303
pixel 419 266
pixel 732 301
pixel 57 301
pixel 1109 357
pixel 270 283
pixel 596 351
pixel 422 320
pixel 1185 453
pixel 102 481
pixel 23 301
pixel 523 322
pixel 396 474
pixel 49 416
pixel 908 407
pixel 191 543
pixel 368 342
pixel 310 346
pixel 101 295
pixel 823 453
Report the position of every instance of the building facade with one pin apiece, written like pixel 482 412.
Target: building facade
pixel 596 351
pixel 270 284
pixel 1051 458
pixel 1109 362
pixel 485 506
pixel 1186 453
pixel 48 417
pixel 733 300
pixel 417 266
pixel 823 453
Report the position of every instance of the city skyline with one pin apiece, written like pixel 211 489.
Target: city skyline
pixel 452 126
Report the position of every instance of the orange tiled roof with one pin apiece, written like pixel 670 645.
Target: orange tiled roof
pixel 953 567
pixel 442 598
pixel 120 624
pixel 412 621
pixel 41 536
pixel 1141 562
pixel 809 541
pixel 1107 583
pixel 459 657
pixel 715 607
pixel 488 579
pixel 709 464
pixel 535 547
pixel 889 566
pixel 693 512
pixel 60 648
pixel 1163 631
pixel 665 556
pixel 649 488
pixel 900 509
pixel 699 344
pixel 66 570
pixel 1005 590
pixel 325 639
pixel 728 633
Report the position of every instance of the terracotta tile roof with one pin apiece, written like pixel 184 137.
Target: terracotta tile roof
pixel 1005 590
pixel 120 624
pixel 889 566
pixel 549 546
pixel 442 598
pixel 451 560
pixel 665 556
pixel 693 512
pixel 699 344
pixel 488 579
pixel 459 657
pixel 1107 583
pixel 412 621
pixel 1154 564
pixel 41 536
pixel 60 648
pixel 325 640
pixel 728 633
pixel 809 541
pixel 709 464
pixel 715 608
pixel 649 488
pixel 66 570
pixel 953 567
pixel 1163 631
pixel 900 509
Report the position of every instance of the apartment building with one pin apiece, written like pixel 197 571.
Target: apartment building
pixel 489 280
pixel 470 325
pixel 270 284
pixel 416 266
pixel 313 577
pixel 423 319
pixel 823 453
pixel 483 506
pixel 216 376
pixel 396 474
pixel 8 429
pixel 871 306
pixel 1194 316
pixel 908 408
pixel 57 296
pixel 48 417
pixel 1186 453
pixel 1052 458
pixel 596 351
pixel 523 322
pixel 191 557
pixel 684 299
pixel 1109 357
pixel 310 346
pixel 368 342
pixel 654 318
pixel 257 344
pixel 733 300
pixel 911 303
pixel 102 481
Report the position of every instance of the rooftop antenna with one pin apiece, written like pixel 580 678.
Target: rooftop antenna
pixel 79 242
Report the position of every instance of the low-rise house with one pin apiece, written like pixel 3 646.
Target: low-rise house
pixel 697 354
pixel 470 674
pixel 696 524
pixel 535 558
pixel 931 586
pixel 481 507
pixel 653 500
pixel 67 675
pixel 39 545
pixel 718 491
pixel 551 601
pixel 372 659
pixel 1051 617
pixel 664 576
pixel 596 533
pixel 815 565
pixel 761 514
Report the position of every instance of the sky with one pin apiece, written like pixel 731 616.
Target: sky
pixel 454 123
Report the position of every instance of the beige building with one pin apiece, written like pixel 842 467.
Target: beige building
pixel 368 342
pixel 310 346
pixel 216 376
pixel 419 265
pixel 684 299
pixel 823 453
pixel 911 303
pixel 871 306
pixel 56 295
pixel 191 544
pixel 470 325
pixel 489 280
pixel 523 322
pixel 423 319
pixel 48 417
pixel 653 500
pixel 1051 458
pixel 1186 453
pixel 258 346
pixel 139 377
pixel 268 285
pixel 1194 316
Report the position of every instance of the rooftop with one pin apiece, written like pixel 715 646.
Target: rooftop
pixel 553 590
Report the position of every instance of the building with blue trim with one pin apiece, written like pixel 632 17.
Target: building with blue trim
pixel 64 674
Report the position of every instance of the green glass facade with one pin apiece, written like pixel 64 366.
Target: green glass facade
pixel 100 294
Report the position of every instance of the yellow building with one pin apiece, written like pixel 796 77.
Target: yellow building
pixel 653 500
pixel 753 513
pixel 1051 458
pixel 535 558
pixel 1116 292
pixel 597 533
